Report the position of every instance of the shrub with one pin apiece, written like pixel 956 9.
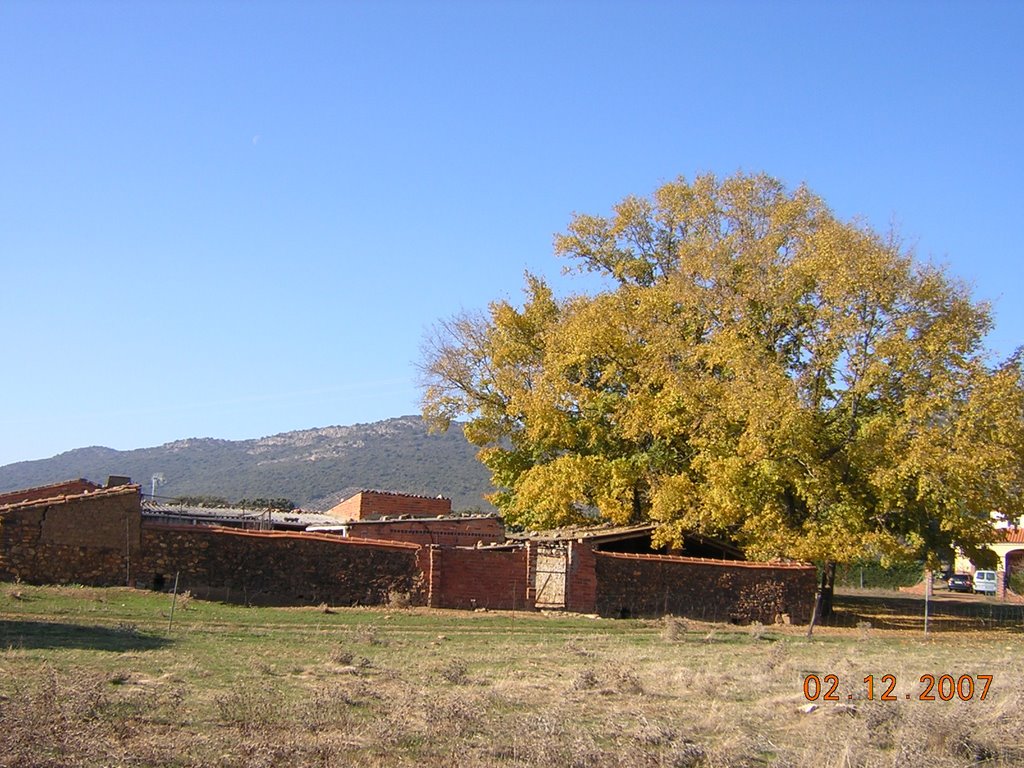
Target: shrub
pixel 247 708
pixel 674 628
pixel 399 599
pixel 585 680
pixel 875 576
pixel 455 672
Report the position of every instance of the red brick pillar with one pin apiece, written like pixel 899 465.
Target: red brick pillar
pixel 433 578
pixel 581 577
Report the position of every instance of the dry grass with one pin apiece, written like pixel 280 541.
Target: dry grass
pixel 272 687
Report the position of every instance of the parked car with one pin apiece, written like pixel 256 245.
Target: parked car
pixel 985 582
pixel 960 582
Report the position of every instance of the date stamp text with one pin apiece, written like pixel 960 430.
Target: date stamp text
pixel 886 688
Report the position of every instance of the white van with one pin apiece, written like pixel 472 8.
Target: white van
pixel 985 582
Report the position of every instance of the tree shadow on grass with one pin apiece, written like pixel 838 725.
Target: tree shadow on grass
pixel 907 612
pixel 45 634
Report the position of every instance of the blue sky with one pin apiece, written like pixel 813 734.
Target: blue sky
pixel 236 219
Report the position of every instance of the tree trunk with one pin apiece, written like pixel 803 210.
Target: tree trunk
pixel 637 515
pixel 823 596
pixel 815 611
pixel 828 583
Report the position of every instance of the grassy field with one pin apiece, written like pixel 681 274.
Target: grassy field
pixel 95 677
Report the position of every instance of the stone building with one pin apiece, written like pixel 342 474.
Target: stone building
pixel 72 532
pixel 79 532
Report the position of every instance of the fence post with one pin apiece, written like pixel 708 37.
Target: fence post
pixel 174 600
pixel 927 598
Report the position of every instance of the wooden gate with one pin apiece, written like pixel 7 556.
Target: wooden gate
pixel 549 576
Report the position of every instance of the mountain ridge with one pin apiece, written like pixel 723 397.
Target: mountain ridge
pixel 314 467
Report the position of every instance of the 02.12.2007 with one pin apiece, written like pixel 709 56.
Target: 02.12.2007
pixel 933 688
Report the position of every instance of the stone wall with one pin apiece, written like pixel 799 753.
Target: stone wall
pixel 90 538
pixel 713 590
pixel 97 537
pixel 272 567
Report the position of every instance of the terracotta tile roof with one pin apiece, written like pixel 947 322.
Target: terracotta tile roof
pixel 63 488
pixel 586 532
pixel 219 530
pixel 66 497
pixel 710 561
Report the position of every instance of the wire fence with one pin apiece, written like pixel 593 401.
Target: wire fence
pixel 945 612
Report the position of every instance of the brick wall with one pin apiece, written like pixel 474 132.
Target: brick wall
pixel 581 579
pixel 497 579
pixel 715 590
pixel 272 567
pixel 92 538
pixel 370 505
pixel 449 531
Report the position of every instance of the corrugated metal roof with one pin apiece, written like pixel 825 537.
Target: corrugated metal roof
pixel 152 509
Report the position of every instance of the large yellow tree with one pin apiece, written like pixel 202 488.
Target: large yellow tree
pixel 755 368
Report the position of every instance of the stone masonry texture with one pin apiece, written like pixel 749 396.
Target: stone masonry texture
pixel 88 538
pixel 96 536
pixel 279 568
pixel 714 590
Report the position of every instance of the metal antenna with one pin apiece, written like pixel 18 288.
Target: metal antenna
pixel 158 479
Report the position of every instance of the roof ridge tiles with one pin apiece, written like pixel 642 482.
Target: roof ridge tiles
pixel 65 497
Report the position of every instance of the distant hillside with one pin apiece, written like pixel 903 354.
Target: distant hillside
pixel 315 468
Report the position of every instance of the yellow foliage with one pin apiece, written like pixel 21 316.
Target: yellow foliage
pixel 758 369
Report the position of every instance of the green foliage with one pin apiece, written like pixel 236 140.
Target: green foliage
pixel 755 368
pixel 1017 581
pixel 984 558
pixel 874 575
